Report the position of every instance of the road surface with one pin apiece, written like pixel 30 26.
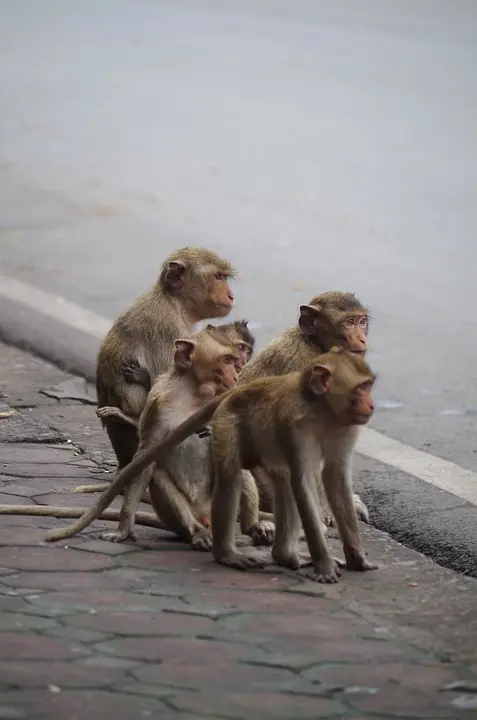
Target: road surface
pixel 319 144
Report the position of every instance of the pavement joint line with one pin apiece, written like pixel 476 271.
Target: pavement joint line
pixel 440 473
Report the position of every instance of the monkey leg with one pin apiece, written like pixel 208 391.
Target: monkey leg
pixel 337 482
pixel 133 493
pixel 287 532
pixel 265 488
pixel 177 513
pixel 228 482
pixel 302 457
pixel 260 530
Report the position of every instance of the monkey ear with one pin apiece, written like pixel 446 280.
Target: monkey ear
pixel 308 315
pixel 174 274
pixel 319 380
pixel 183 353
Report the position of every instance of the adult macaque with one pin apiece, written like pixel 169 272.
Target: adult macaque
pixel 180 487
pixel 193 285
pixel 333 319
pixel 288 425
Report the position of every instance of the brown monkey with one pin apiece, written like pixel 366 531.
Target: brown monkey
pixel 236 332
pixel 180 489
pixel 333 319
pixel 293 422
pixel 192 286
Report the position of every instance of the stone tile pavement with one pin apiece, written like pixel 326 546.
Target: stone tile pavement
pixel 152 629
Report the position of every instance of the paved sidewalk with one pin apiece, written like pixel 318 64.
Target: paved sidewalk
pixel 152 629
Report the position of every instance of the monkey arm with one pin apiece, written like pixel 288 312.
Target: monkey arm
pixel 134 373
pixel 140 462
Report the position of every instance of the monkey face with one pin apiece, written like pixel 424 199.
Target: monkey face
pixel 354 330
pixel 362 405
pixel 220 295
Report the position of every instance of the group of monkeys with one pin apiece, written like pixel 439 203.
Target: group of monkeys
pixel 208 435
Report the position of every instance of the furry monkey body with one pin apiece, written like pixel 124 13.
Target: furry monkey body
pixel 192 286
pixel 332 319
pixel 288 425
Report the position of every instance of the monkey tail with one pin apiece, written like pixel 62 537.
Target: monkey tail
pixel 140 462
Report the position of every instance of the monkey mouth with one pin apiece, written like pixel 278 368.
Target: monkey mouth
pixel 358 352
pixel 359 419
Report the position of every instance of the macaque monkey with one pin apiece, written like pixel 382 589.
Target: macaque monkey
pixel 294 422
pixel 192 286
pixel 236 333
pixel 333 319
pixel 204 367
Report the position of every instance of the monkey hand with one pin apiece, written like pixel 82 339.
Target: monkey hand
pixel 262 533
pixel 119 536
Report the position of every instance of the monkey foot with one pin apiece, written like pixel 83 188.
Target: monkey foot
pixel 293 561
pixel 359 563
pixel 238 561
pixel 361 509
pixel 262 533
pixel 202 540
pixel 119 536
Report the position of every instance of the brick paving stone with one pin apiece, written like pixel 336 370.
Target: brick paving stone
pixel 21 622
pixel 423 677
pixel 259 705
pixel 226 675
pixel 56 559
pixel 86 705
pixel 397 702
pixel 164 649
pixel 19 646
pixel 65 632
pixel 106 600
pixel 35 674
pixel 144 623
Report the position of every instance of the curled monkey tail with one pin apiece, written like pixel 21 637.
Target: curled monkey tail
pixel 142 459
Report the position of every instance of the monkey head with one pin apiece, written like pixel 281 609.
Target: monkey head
pixel 211 365
pixel 344 381
pixel 200 279
pixel 238 334
pixel 336 319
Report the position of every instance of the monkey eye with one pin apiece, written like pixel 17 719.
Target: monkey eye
pixel 349 322
pixel 229 359
pixel 242 347
pixel 363 321
pixel 221 276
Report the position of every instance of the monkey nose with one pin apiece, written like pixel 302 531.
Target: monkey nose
pixel 231 297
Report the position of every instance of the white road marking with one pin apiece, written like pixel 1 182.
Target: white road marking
pixel 54 306
pixel 443 474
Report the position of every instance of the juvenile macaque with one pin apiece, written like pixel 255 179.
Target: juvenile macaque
pixel 180 487
pixel 333 319
pixel 237 333
pixel 192 286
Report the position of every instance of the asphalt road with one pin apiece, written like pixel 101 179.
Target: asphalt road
pixel 319 144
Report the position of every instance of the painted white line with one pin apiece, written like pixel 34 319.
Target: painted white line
pixel 55 307
pixel 443 474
